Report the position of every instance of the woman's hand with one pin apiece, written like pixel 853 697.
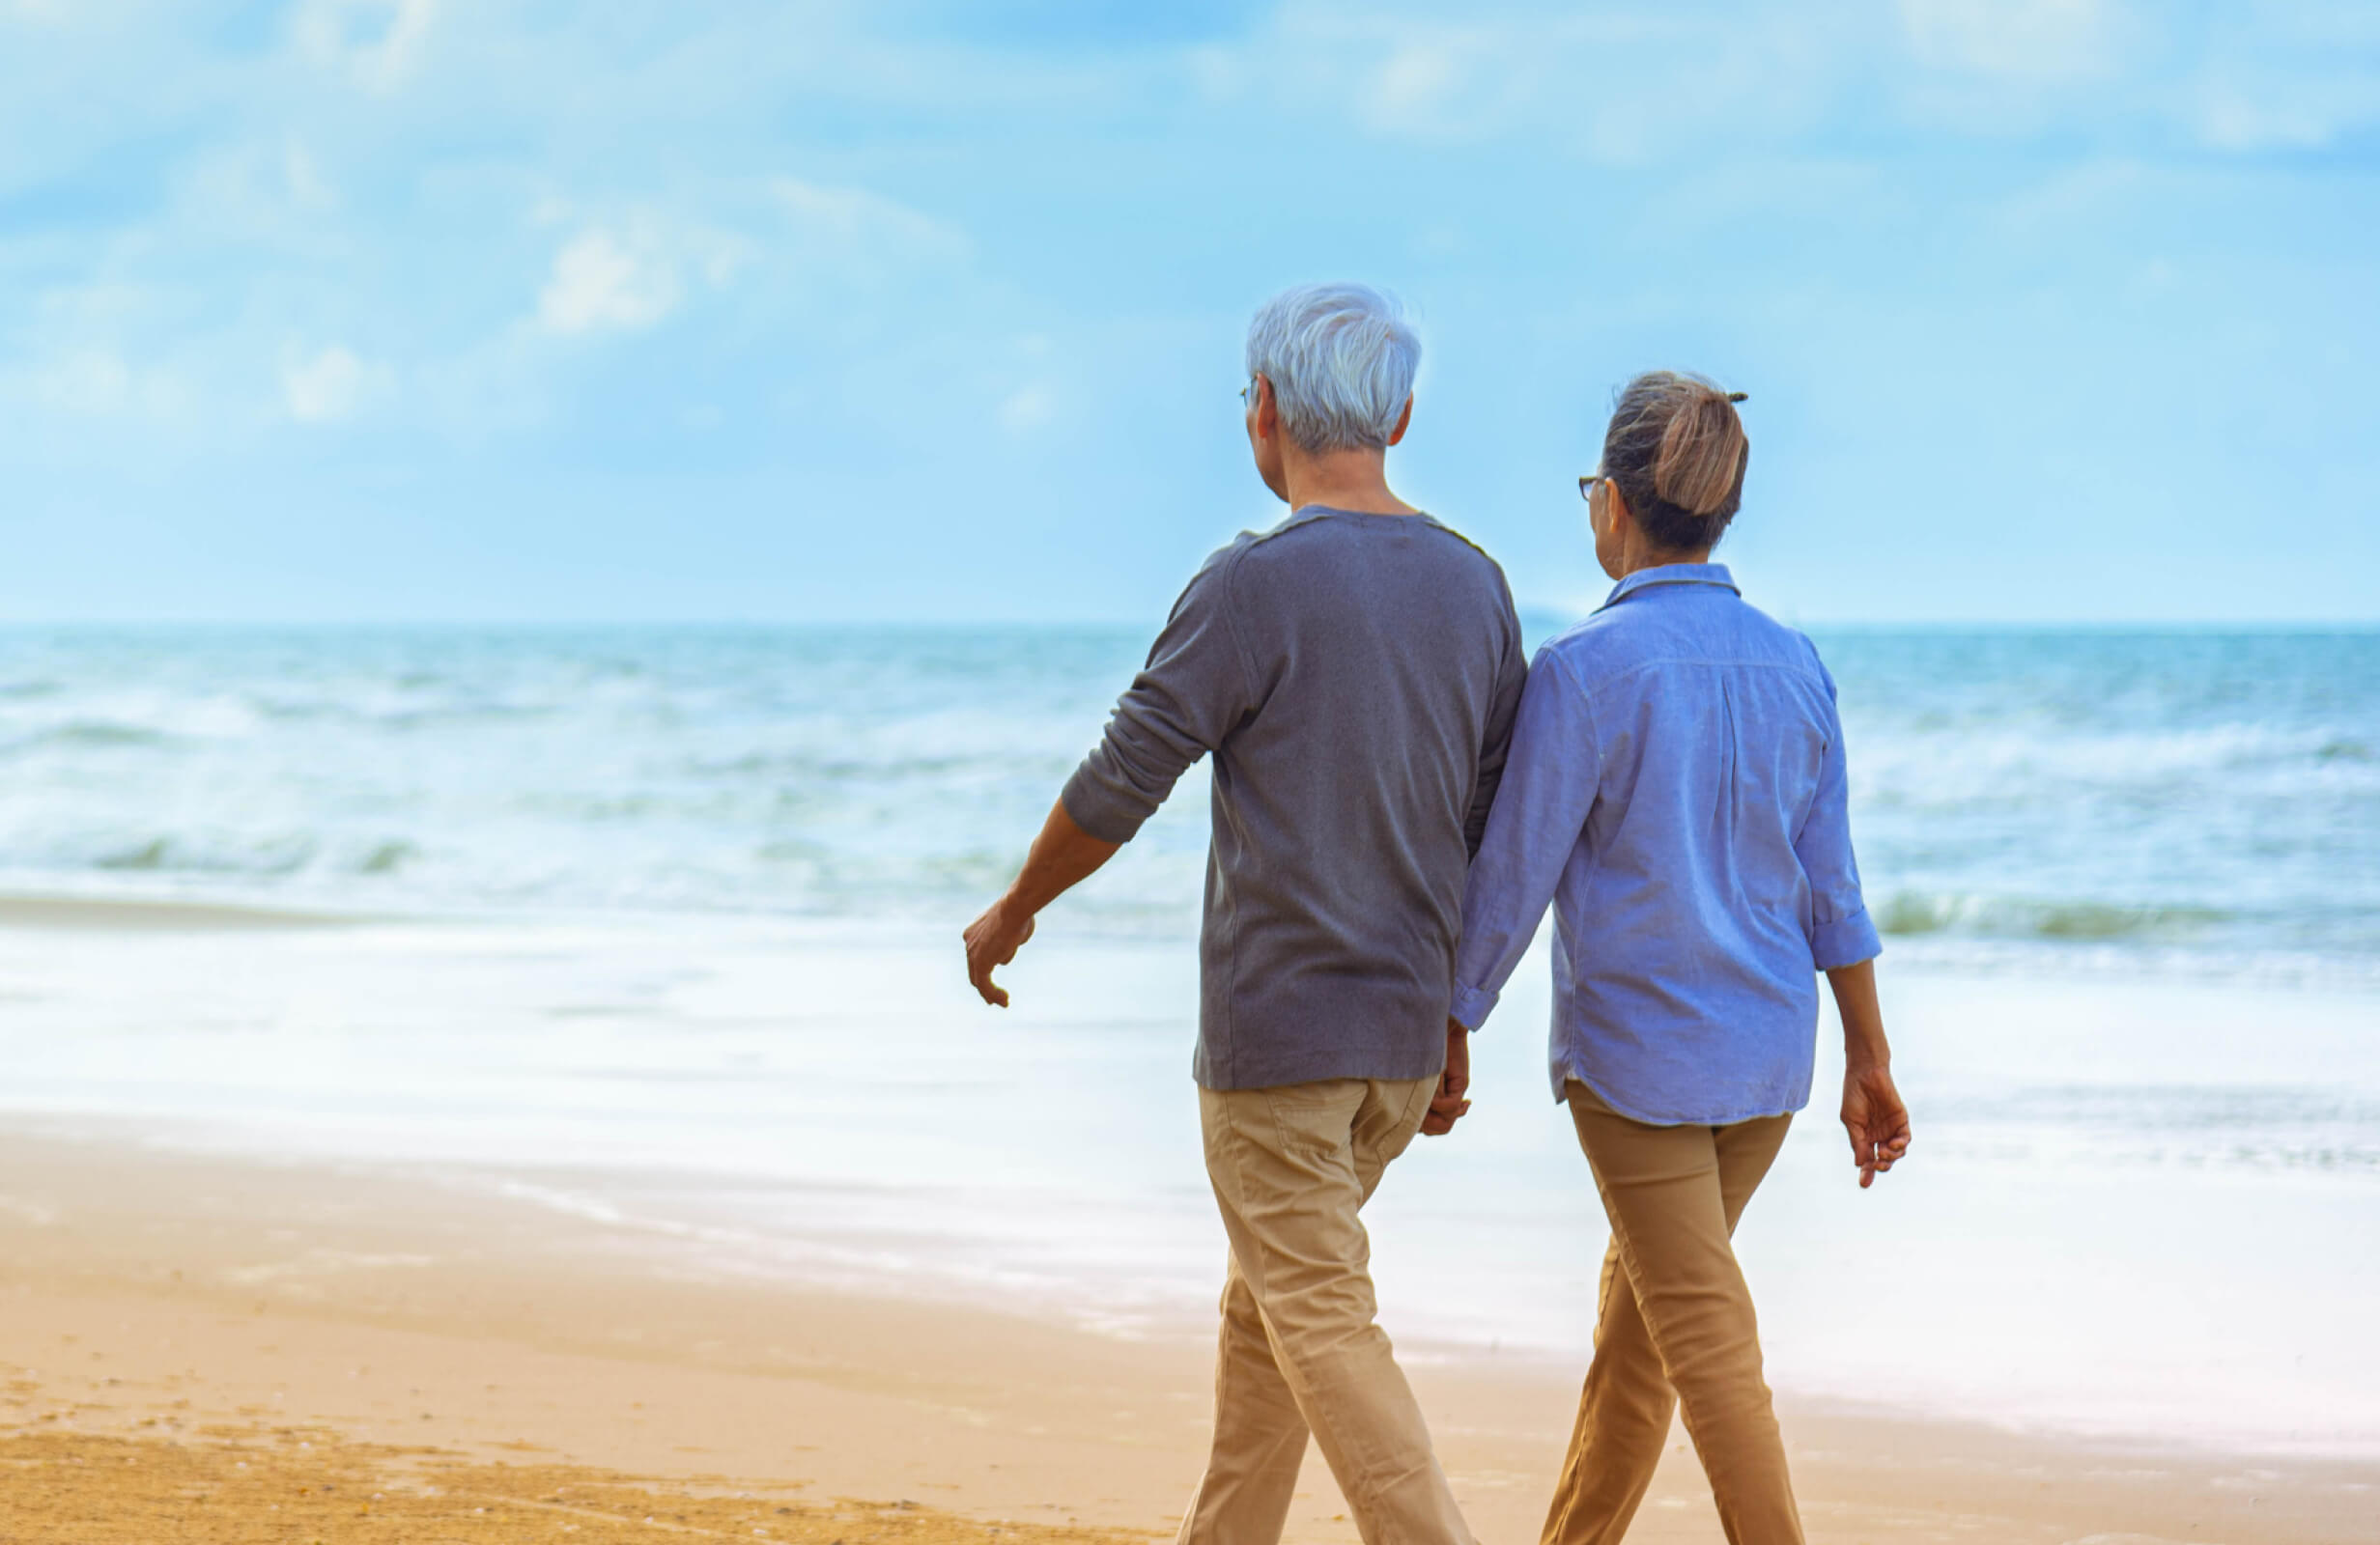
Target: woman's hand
pixel 1447 1106
pixel 1871 1110
pixel 1876 1119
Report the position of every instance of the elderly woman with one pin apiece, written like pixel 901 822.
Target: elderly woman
pixel 1676 789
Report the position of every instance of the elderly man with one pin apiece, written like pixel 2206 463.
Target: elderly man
pixel 1355 672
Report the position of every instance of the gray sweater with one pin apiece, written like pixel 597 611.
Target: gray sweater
pixel 1356 677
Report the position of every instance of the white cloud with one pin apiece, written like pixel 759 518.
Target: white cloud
pixel 377 43
pixel 2013 39
pixel 2301 93
pixel 601 284
pixel 1027 408
pixel 1418 78
pixel 1619 85
pixel 326 386
pixel 88 381
pixel 97 381
pixel 854 219
pixel 261 193
pixel 628 273
pixel 2230 119
pixel 302 176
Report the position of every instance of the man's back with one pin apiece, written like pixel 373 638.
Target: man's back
pixel 1356 677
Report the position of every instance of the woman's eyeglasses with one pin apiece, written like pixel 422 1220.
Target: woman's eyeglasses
pixel 1586 486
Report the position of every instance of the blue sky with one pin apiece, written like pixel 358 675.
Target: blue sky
pixel 2050 310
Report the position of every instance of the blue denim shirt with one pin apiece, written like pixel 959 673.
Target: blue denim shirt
pixel 1676 787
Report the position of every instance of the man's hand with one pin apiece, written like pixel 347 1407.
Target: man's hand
pixel 1062 857
pixel 1447 1106
pixel 1876 1119
pixel 993 939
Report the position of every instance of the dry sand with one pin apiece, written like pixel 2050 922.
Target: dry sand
pixel 199 1349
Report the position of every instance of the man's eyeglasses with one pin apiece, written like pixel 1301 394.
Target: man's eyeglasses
pixel 1587 484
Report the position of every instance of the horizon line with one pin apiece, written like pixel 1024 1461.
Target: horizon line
pixel 1542 613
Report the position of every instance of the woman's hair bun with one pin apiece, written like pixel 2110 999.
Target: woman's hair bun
pixel 1677 451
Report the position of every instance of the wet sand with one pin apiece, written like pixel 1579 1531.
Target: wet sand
pixel 425 1351
pixel 307 1484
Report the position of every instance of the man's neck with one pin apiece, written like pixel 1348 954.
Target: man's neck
pixel 1355 481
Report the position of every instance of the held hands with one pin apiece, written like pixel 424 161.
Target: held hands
pixel 1447 1106
pixel 993 940
pixel 1876 1119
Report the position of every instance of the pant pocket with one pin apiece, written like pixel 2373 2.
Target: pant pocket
pixel 1314 1120
pixel 1403 1106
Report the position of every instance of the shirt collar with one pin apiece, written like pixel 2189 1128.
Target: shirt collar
pixel 1672 574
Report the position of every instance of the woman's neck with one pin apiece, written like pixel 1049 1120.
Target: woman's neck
pixel 1637 554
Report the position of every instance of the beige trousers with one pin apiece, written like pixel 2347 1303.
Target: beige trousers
pixel 1675 1327
pixel 1299 1352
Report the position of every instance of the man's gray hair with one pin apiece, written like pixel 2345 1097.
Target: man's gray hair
pixel 1341 359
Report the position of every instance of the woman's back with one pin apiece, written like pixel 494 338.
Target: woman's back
pixel 1679 758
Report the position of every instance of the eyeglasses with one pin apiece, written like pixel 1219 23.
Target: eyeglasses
pixel 1247 393
pixel 1587 484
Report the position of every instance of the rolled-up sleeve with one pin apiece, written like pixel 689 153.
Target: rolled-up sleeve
pixel 1548 785
pixel 1194 690
pixel 1841 932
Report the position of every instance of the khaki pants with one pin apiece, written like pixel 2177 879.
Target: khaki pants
pixel 1299 1351
pixel 1676 1326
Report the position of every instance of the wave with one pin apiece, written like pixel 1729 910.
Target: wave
pixel 2020 803
pixel 1960 767
pixel 90 734
pixel 2325 1131
pixel 387 858
pixel 118 914
pixel 1915 913
pixel 167 853
pixel 263 859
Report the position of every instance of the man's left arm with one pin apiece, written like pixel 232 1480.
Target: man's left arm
pixel 1495 744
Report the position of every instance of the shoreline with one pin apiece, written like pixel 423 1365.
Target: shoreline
pixel 156 1295
pixel 2137 1212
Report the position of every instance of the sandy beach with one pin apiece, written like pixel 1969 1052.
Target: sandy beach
pixel 201 1349
pixel 324 1229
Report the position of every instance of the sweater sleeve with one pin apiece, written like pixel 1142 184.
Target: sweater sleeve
pixel 1193 693
pixel 1511 675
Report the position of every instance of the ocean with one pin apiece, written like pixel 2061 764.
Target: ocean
pixel 2103 801
pixel 660 927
